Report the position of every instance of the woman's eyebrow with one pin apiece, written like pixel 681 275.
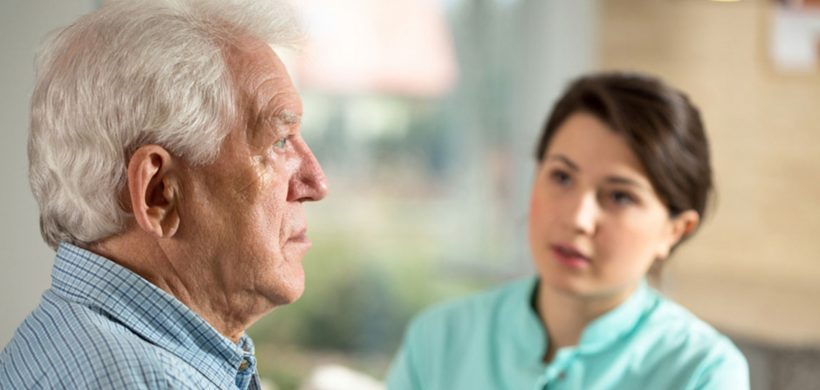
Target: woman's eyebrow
pixel 613 179
pixel 622 180
pixel 566 160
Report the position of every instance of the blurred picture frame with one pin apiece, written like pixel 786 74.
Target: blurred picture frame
pixel 794 36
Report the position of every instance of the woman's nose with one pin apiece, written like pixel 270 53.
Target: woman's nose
pixel 584 214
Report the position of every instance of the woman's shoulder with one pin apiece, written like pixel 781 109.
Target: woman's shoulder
pixel 680 326
pixel 673 334
pixel 481 304
pixel 475 312
pixel 459 341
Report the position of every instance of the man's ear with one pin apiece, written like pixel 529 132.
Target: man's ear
pixel 153 188
pixel 680 226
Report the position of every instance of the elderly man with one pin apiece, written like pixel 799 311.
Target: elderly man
pixel 167 162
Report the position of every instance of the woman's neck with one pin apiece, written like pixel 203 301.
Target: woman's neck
pixel 565 315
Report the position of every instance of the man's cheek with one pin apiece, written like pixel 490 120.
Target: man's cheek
pixel 265 168
pixel 250 183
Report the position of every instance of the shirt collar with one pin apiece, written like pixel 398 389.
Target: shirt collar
pixel 602 332
pixel 95 281
pixel 618 322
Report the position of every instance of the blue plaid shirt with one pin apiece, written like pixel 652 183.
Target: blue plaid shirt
pixel 102 326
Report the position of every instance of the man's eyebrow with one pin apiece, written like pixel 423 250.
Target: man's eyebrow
pixel 566 160
pixel 279 117
pixel 289 117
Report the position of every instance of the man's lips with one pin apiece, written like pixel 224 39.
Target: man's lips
pixel 299 237
pixel 569 256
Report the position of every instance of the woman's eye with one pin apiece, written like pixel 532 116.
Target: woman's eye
pixel 622 198
pixel 560 177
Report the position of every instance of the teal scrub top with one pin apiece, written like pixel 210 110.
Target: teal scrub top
pixel 495 340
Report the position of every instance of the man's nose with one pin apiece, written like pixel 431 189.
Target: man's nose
pixel 308 183
pixel 584 214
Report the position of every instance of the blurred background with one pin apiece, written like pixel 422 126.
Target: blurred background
pixel 424 115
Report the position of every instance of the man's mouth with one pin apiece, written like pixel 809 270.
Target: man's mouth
pixel 299 237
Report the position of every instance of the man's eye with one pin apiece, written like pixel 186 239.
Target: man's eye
pixel 281 143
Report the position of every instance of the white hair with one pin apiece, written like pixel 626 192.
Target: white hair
pixel 129 74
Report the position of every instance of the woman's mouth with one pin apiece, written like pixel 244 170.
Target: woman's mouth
pixel 569 256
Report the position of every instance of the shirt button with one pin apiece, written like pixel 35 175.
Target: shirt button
pixel 562 376
pixel 244 365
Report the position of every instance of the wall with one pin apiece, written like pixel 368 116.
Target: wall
pixel 753 269
pixel 26 261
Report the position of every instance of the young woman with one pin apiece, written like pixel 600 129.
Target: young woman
pixel 623 177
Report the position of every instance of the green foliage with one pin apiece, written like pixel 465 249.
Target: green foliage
pixel 349 305
pixel 355 307
pixel 375 263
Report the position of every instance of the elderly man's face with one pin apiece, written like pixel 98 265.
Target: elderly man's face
pixel 247 205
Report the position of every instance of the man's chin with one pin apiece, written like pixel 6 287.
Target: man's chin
pixel 290 288
pixel 294 293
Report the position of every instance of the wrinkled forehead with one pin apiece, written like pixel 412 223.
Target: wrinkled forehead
pixel 262 80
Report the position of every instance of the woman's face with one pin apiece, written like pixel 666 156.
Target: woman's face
pixel 596 223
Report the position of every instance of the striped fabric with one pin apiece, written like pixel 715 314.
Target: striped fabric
pixel 101 326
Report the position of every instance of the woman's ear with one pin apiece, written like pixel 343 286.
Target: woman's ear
pixel 154 190
pixel 679 227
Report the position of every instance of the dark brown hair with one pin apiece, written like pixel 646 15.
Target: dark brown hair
pixel 658 122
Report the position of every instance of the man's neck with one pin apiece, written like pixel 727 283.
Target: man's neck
pixel 185 280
